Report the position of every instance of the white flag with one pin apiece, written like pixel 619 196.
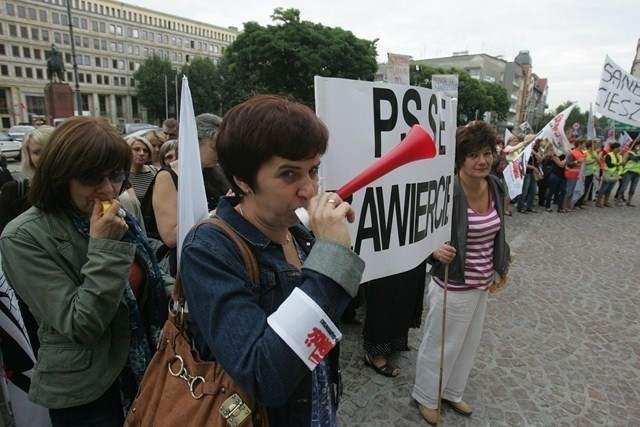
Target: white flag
pixel 192 199
pixel 625 143
pixel 516 169
pixel 554 132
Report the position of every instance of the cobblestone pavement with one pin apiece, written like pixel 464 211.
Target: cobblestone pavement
pixel 561 344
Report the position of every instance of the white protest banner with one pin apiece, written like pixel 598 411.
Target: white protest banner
pixel 625 142
pixel 591 124
pixel 515 171
pixel 507 135
pixel 404 215
pixel 554 132
pixel 619 94
pixel 579 189
pixel 398 68
pixel 446 84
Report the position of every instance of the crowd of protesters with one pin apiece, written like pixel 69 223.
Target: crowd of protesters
pixel 566 182
pixel 111 281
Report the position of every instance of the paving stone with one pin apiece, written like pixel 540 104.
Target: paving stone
pixel 560 345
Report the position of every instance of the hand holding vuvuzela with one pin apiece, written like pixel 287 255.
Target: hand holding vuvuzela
pixel 327 214
pixel 417 145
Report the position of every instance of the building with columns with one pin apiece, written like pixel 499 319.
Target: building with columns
pixel 112 39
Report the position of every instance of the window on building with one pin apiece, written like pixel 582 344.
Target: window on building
pixel 28 72
pixel 9 8
pixel 94 26
pixel 84 99
pixel 43 16
pixel 18 71
pixel 57 38
pixel 102 104
pixel 120 47
pixel 67 58
pixel 80 77
pixel 70 77
pixel 24 32
pixel 4 70
pixel 145 35
pixel 64 19
pixel 35 34
pixel 98 61
pixel 103 26
pixel 106 80
pixel 76 21
pixel 15 51
pixel 55 18
pixel 119 30
pixel 114 46
pixel 145 52
pixel 112 28
pixel 123 81
pixel 13 30
pixel 116 82
pixel 119 106
pixel 39 74
pixel 26 52
pixel 136 50
pixel 151 36
pixel 85 42
pixel 86 60
pixel 32 14
pixel 159 38
pixel 103 44
pixel 2 50
pixel 22 12
pixel 96 44
pixel 84 24
pixel 37 53
pixel 35 105
pixel 99 79
pixel 45 35
pixel 66 39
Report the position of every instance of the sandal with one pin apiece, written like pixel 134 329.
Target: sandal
pixel 549 210
pixel 387 370
pixel 508 213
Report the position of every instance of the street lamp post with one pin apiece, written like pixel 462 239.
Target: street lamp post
pixel 74 62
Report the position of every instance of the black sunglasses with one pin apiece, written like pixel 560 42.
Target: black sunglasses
pixel 114 178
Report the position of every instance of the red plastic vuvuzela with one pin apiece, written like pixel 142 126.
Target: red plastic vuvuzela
pixel 417 145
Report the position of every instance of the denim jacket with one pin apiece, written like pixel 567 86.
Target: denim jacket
pixel 460 228
pixel 228 314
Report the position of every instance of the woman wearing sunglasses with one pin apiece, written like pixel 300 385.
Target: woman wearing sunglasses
pixel 88 274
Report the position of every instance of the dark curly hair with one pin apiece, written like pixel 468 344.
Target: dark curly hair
pixel 475 136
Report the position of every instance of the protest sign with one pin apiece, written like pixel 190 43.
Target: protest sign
pixel 446 84
pixel 398 68
pixel 404 215
pixel 619 94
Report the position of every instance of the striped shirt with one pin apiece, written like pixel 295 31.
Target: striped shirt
pixel 140 181
pixel 478 269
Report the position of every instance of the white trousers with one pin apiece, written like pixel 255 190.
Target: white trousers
pixel 463 328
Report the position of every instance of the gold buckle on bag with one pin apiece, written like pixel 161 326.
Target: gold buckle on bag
pixel 234 410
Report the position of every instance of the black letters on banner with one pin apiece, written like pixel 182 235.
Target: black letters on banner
pixel 423 211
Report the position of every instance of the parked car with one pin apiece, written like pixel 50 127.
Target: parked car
pixel 17 132
pixel 127 128
pixel 141 132
pixel 9 147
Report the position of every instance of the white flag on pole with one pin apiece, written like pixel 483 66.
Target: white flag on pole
pixel 554 132
pixel 192 199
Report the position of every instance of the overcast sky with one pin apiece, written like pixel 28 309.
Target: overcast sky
pixel 567 39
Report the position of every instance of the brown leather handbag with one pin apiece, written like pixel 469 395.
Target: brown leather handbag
pixel 179 389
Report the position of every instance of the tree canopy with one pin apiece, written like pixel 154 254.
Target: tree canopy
pixel 204 83
pixel 284 58
pixel 150 78
pixel 475 97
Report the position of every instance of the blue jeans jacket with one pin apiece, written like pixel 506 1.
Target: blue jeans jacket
pixel 228 315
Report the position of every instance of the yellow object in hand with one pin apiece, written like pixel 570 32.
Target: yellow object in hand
pixel 106 204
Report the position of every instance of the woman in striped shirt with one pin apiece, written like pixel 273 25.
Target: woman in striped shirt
pixel 477 248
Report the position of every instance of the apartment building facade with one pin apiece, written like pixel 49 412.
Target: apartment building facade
pixel 515 76
pixel 112 39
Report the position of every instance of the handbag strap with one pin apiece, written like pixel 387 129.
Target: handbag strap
pixel 249 259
